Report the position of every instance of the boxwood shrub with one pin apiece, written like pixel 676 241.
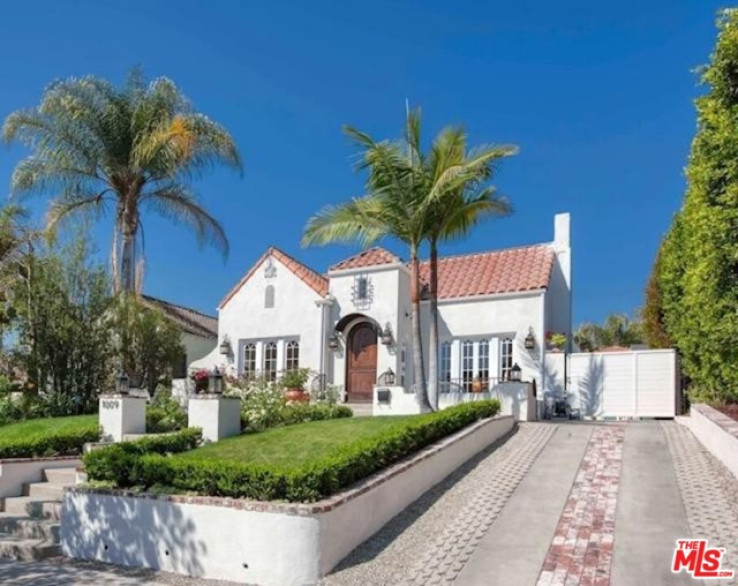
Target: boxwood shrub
pixel 119 463
pixel 63 436
pixel 314 480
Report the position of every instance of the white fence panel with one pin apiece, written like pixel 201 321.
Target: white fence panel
pixel 637 383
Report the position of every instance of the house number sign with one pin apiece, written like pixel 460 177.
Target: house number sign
pixel 110 404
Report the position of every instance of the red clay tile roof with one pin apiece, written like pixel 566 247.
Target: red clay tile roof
pixel 315 281
pixel 367 258
pixel 498 271
pixel 188 320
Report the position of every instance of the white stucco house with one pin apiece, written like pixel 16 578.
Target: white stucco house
pixel 352 323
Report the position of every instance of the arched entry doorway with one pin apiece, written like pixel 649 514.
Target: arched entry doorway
pixel 361 362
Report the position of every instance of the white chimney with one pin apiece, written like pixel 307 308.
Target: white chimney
pixel 562 231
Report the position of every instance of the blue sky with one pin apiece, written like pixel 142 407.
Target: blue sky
pixel 597 95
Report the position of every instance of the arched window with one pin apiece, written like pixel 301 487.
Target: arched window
pixel 484 362
pixel 292 358
pixel 249 360
pixel 506 358
pixel 269 297
pixel 270 361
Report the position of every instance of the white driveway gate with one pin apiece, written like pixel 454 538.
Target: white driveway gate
pixel 636 383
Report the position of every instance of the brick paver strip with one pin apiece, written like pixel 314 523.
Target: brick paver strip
pixel 430 542
pixel 581 550
pixel 709 492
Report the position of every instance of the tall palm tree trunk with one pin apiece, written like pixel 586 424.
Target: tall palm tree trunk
pixel 433 337
pixel 127 263
pixel 421 395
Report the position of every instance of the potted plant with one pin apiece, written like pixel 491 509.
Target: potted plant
pixel 201 379
pixel 294 382
pixel 478 384
pixel 556 340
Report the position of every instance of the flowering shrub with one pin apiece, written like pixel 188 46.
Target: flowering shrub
pixel 556 339
pixel 201 378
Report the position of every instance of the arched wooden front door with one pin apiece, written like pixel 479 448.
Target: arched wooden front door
pixel 361 363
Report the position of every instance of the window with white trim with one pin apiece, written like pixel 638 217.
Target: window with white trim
pixel 292 355
pixel 483 362
pixel 467 365
pixel 249 360
pixel 506 358
pixel 270 361
pixel 445 366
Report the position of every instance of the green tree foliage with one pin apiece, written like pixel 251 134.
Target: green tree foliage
pixel 617 330
pixel 652 314
pixel 146 343
pixel 699 272
pixel 133 148
pixel 63 343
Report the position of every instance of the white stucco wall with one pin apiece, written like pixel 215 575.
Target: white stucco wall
pixel 218 417
pixel 386 305
pixel 197 347
pixel 559 294
pixel 120 416
pixel 294 316
pixel 722 444
pixel 258 547
pixel 492 318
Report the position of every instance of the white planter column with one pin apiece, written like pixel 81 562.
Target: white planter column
pixel 216 415
pixel 121 415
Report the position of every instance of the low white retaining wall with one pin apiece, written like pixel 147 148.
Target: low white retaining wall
pixel 271 544
pixel 17 471
pixel 717 432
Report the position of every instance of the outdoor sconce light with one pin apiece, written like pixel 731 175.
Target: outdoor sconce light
pixel 387 378
pixel 530 340
pixel 515 373
pixel 386 335
pixel 122 384
pixel 216 382
pixel 225 347
pixel 333 342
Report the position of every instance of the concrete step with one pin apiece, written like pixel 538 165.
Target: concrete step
pixel 26 550
pixel 360 409
pixel 30 528
pixel 61 476
pixel 44 491
pixel 23 506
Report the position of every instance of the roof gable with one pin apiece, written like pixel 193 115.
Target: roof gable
pixel 487 273
pixel 370 257
pixel 187 319
pixel 312 279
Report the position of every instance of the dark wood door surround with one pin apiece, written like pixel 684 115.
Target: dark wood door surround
pixel 361 363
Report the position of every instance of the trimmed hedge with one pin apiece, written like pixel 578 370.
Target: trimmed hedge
pixel 119 462
pixel 63 436
pixel 313 481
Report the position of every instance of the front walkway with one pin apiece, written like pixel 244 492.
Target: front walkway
pixel 553 504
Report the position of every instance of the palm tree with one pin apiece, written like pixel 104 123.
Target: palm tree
pixel 137 148
pixel 388 209
pixel 409 197
pixel 457 212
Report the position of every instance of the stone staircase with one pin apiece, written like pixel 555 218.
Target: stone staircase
pixel 29 524
pixel 360 409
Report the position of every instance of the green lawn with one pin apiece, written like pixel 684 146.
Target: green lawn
pixel 38 427
pixel 295 445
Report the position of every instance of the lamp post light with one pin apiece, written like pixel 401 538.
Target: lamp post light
pixel 216 382
pixel 530 340
pixel 333 343
pixel 515 373
pixel 225 347
pixel 122 384
pixel 386 335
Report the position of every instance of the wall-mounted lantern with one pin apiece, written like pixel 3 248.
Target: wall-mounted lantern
pixel 333 342
pixel 530 340
pixel 387 378
pixel 386 334
pixel 216 382
pixel 225 347
pixel 122 384
pixel 515 373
